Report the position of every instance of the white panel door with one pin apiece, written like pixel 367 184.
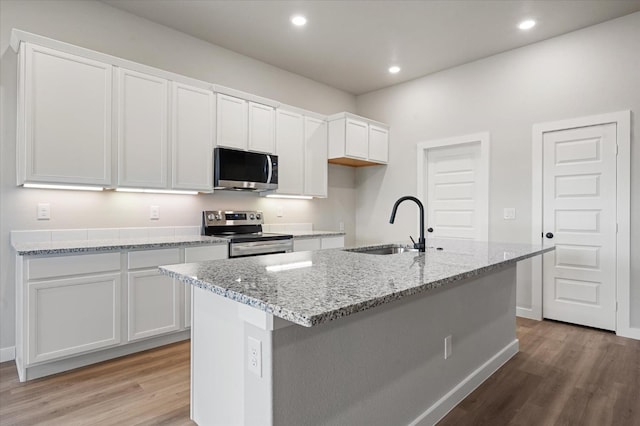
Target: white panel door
pixel 456 204
pixel 142 130
pixel 193 122
pixel 290 152
pixel 232 122
pixel 67 118
pixel 356 139
pixel 315 157
pixel 262 121
pixel 579 209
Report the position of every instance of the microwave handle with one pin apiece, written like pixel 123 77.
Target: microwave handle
pixel 270 168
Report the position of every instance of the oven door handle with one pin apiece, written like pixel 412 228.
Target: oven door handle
pixel 257 244
pixel 269 168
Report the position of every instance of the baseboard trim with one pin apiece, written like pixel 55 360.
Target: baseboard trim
pixel 441 408
pixel 7 354
pixel 53 367
pixel 630 332
pixel 526 313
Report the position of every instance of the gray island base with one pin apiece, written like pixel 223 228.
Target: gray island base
pixel 340 337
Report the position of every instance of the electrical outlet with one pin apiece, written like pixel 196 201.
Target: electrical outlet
pixel 154 212
pixel 254 356
pixel 341 226
pixel 43 211
pixel 509 213
pixel 447 347
pixel 279 211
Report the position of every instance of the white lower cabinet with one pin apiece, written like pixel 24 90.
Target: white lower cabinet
pixel 77 309
pixel 153 304
pixel 73 315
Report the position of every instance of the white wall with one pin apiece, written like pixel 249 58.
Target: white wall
pixel 97 26
pixel 590 71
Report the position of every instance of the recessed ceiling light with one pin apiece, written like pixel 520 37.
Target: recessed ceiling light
pixel 298 20
pixel 527 25
pixel 394 69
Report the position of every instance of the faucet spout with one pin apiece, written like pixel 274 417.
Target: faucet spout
pixel 421 244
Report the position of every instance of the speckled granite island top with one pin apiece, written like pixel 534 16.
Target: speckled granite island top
pixel 83 246
pixel 310 288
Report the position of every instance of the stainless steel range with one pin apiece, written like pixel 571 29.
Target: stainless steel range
pixel 244 231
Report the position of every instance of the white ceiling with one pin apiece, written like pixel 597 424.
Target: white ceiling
pixel 350 44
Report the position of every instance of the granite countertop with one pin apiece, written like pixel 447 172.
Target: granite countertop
pixel 310 288
pixel 299 235
pixel 82 246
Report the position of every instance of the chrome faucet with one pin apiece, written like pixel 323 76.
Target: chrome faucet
pixel 421 244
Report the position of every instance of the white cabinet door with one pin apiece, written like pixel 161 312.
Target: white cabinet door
pixel 357 139
pixel 315 157
pixel 232 122
pixel 261 128
pixel 64 122
pixel 73 315
pixel 332 242
pixel 153 304
pixel 192 126
pixel 142 130
pixel 290 152
pixel 378 144
pixel 307 244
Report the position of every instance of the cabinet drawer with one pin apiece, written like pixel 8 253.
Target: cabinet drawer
pixel 202 254
pixel 306 244
pixel 49 267
pixel 151 258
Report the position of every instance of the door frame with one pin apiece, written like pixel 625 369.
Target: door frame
pixel 622 119
pixel 484 139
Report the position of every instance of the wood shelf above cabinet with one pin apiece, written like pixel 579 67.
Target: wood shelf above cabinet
pixel 353 162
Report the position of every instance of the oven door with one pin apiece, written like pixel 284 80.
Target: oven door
pixel 256 248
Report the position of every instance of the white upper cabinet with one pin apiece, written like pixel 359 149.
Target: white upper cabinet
pixel 245 125
pixel 142 130
pixel 378 143
pixel 315 157
pixel 192 138
pixel 64 118
pixel 232 122
pixel 290 152
pixel 357 141
pixel 262 120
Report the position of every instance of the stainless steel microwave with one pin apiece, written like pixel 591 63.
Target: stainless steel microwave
pixel 243 170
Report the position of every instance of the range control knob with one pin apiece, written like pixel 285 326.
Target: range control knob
pixel 252 216
pixel 218 217
pixel 210 216
pixel 258 216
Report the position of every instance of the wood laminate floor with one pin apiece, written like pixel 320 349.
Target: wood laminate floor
pixel 563 375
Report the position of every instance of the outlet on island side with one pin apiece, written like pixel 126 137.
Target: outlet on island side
pixel 447 347
pixel 254 356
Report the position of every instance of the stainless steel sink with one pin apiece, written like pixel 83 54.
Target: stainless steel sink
pixel 386 249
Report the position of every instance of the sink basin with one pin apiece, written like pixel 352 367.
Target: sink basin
pixel 386 249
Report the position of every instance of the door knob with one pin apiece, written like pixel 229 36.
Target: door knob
pixel 429 229
pixel 549 235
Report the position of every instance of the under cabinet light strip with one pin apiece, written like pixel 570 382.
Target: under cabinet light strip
pixel 68 187
pixel 295 197
pixel 156 191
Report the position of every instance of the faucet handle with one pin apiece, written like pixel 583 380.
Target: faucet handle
pixel 413 241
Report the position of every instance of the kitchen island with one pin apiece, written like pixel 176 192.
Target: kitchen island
pixel 348 337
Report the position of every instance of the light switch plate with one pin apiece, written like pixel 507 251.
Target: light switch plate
pixel 44 211
pixel 154 212
pixel 509 213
